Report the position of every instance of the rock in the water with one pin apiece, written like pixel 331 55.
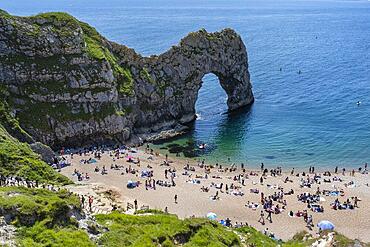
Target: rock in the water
pixel 68 85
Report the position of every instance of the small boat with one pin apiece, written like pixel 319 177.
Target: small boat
pixel 202 146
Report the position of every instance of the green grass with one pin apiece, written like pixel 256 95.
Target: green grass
pixel 41 236
pixel 43 217
pixel 3 13
pixel 258 239
pixel 17 158
pixel 95 48
pixel 164 230
pixel 299 240
pixel 10 123
pixel 28 205
pixel 34 114
pixel 149 211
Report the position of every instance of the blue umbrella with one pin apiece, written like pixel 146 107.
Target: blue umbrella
pixel 325 225
pixel 211 216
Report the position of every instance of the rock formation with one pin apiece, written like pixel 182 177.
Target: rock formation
pixel 68 85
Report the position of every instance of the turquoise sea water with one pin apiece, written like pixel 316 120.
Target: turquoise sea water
pixel 297 119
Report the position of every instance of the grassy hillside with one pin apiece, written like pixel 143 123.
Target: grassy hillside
pixel 16 157
pixel 163 230
pixel 43 217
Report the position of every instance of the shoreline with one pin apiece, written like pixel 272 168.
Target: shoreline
pixel 250 166
pixel 193 202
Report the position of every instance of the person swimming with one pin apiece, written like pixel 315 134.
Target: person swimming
pixel 358 103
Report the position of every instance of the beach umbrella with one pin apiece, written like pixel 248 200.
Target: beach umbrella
pixel 211 216
pixel 325 225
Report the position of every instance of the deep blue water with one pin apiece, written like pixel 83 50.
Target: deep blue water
pixel 297 119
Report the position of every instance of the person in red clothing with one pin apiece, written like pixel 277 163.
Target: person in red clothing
pixel 90 202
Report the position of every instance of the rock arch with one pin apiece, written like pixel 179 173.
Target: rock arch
pixel 69 86
pixel 183 67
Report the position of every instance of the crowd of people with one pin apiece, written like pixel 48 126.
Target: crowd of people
pixel 273 197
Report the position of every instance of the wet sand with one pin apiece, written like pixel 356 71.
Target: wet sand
pixel 193 202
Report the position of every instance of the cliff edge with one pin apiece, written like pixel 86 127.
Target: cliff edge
pixel 69 86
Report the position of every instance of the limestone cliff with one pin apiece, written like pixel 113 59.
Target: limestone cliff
pixel 68 85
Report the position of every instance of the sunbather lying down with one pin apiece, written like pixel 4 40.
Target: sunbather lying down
pixel 256 191
pixel 214 198
pixel 237 193
pixel 252 205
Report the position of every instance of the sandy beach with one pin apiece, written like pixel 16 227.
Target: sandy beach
pixel 192 201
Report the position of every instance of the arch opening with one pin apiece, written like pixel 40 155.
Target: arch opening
pixel 211 98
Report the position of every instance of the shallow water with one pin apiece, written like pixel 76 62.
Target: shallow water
pixel 297 119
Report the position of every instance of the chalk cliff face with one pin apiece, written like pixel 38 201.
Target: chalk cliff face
pixel 68 85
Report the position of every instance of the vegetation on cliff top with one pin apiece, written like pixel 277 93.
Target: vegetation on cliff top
pixel 163 230
pixel 10 123
pixel 96 46
pixel 43 217
pixel 26 206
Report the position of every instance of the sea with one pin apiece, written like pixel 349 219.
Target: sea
pixel 309 63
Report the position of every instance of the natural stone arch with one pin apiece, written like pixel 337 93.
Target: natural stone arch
pixel 69 86
pixel 182 69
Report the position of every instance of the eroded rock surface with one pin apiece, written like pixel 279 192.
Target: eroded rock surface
pixel 68 85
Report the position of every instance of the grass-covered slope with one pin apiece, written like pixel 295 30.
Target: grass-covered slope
pixel 43 217
pixel 163 230
pixel 16 157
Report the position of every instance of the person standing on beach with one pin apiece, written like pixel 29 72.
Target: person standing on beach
pixel 83 201
pixel 90 203
pixel 269 216
pixel 176 198
pixel 262 166
pixel 135 204
pixel 262 218
pixel 356 202
pixel 262 198
pixel 309 222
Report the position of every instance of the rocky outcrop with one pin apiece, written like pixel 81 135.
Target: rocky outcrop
pixel 68 85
